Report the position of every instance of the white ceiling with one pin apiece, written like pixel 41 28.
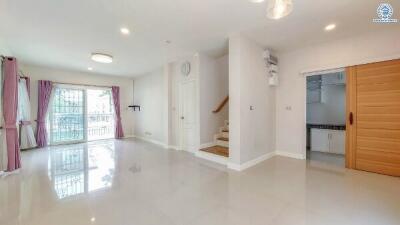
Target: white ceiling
pixel 63 33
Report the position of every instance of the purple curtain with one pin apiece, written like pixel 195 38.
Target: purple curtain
pixel 44 94
pixel 10 105
pixel 119 133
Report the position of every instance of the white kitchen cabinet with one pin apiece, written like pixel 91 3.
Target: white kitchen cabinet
pixel 319 140
pixel 337 142
pixel 330 141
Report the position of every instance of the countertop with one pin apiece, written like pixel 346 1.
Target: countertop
pixel 327 126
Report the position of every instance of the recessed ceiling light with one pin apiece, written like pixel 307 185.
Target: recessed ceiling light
pixel 92 219
pixel 125 31
pixel 102 58
pixel 90 68
pixel 256 1
pixel 330 27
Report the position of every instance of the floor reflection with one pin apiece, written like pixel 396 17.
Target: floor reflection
pixel 78 169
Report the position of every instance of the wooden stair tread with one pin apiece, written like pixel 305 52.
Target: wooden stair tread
pixel 223 139
pixel 217 150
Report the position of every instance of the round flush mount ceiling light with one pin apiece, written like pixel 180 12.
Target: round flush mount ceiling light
pixel 102 58
pixel 330 27
pixel 90 68
pixel 256 1
pixel 279 8
pixel 125 31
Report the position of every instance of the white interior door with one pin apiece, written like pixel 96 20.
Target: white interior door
pixel 188 115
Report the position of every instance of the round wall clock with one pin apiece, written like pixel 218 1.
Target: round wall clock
pixel 185 68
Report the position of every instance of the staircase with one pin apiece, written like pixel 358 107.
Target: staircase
pixel 222 138
pixel 221 142
pixel 220 146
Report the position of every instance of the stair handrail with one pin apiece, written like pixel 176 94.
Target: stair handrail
pixel 221 105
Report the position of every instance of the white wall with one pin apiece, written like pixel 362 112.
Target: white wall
pixel 291 93
pixel 41 73
pixel 4 50
pixel 332 110
pixel 252 132
pixel 223 75
pixel 158 95
pixel 149 92
pixel 214 83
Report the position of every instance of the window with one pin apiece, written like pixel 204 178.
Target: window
pixel 100 115
pixel 79 114
pixel 67 116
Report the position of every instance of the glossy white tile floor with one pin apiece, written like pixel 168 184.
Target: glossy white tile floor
pixel 131 182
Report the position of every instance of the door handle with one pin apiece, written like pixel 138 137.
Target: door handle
pixel 182 117
pixel 351 118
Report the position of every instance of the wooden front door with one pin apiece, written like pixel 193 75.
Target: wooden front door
pixel 373 124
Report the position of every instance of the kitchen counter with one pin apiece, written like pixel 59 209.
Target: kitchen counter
pixel 327 126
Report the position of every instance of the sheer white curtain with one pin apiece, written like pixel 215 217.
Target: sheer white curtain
pixel 27 137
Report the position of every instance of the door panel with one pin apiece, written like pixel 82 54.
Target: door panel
pixel 67 121
pixel 374 100
pixel 188 115
pixel 100 114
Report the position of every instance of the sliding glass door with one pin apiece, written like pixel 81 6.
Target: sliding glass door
pixel 79 114
pixel 67 116
pixel 100 114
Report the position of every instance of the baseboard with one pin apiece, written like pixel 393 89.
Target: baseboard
pixel 248 164
pixel 207 145
pixel 173 147
pixel 290 155
pixel 152 141
pixel 129 136
pixel 157 142
pixel 212 157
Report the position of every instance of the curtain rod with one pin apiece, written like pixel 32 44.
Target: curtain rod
pixel 86 85
pixel 5 57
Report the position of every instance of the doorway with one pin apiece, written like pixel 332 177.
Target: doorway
pixel 326 118
pixel 372 118
pixel 78 114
